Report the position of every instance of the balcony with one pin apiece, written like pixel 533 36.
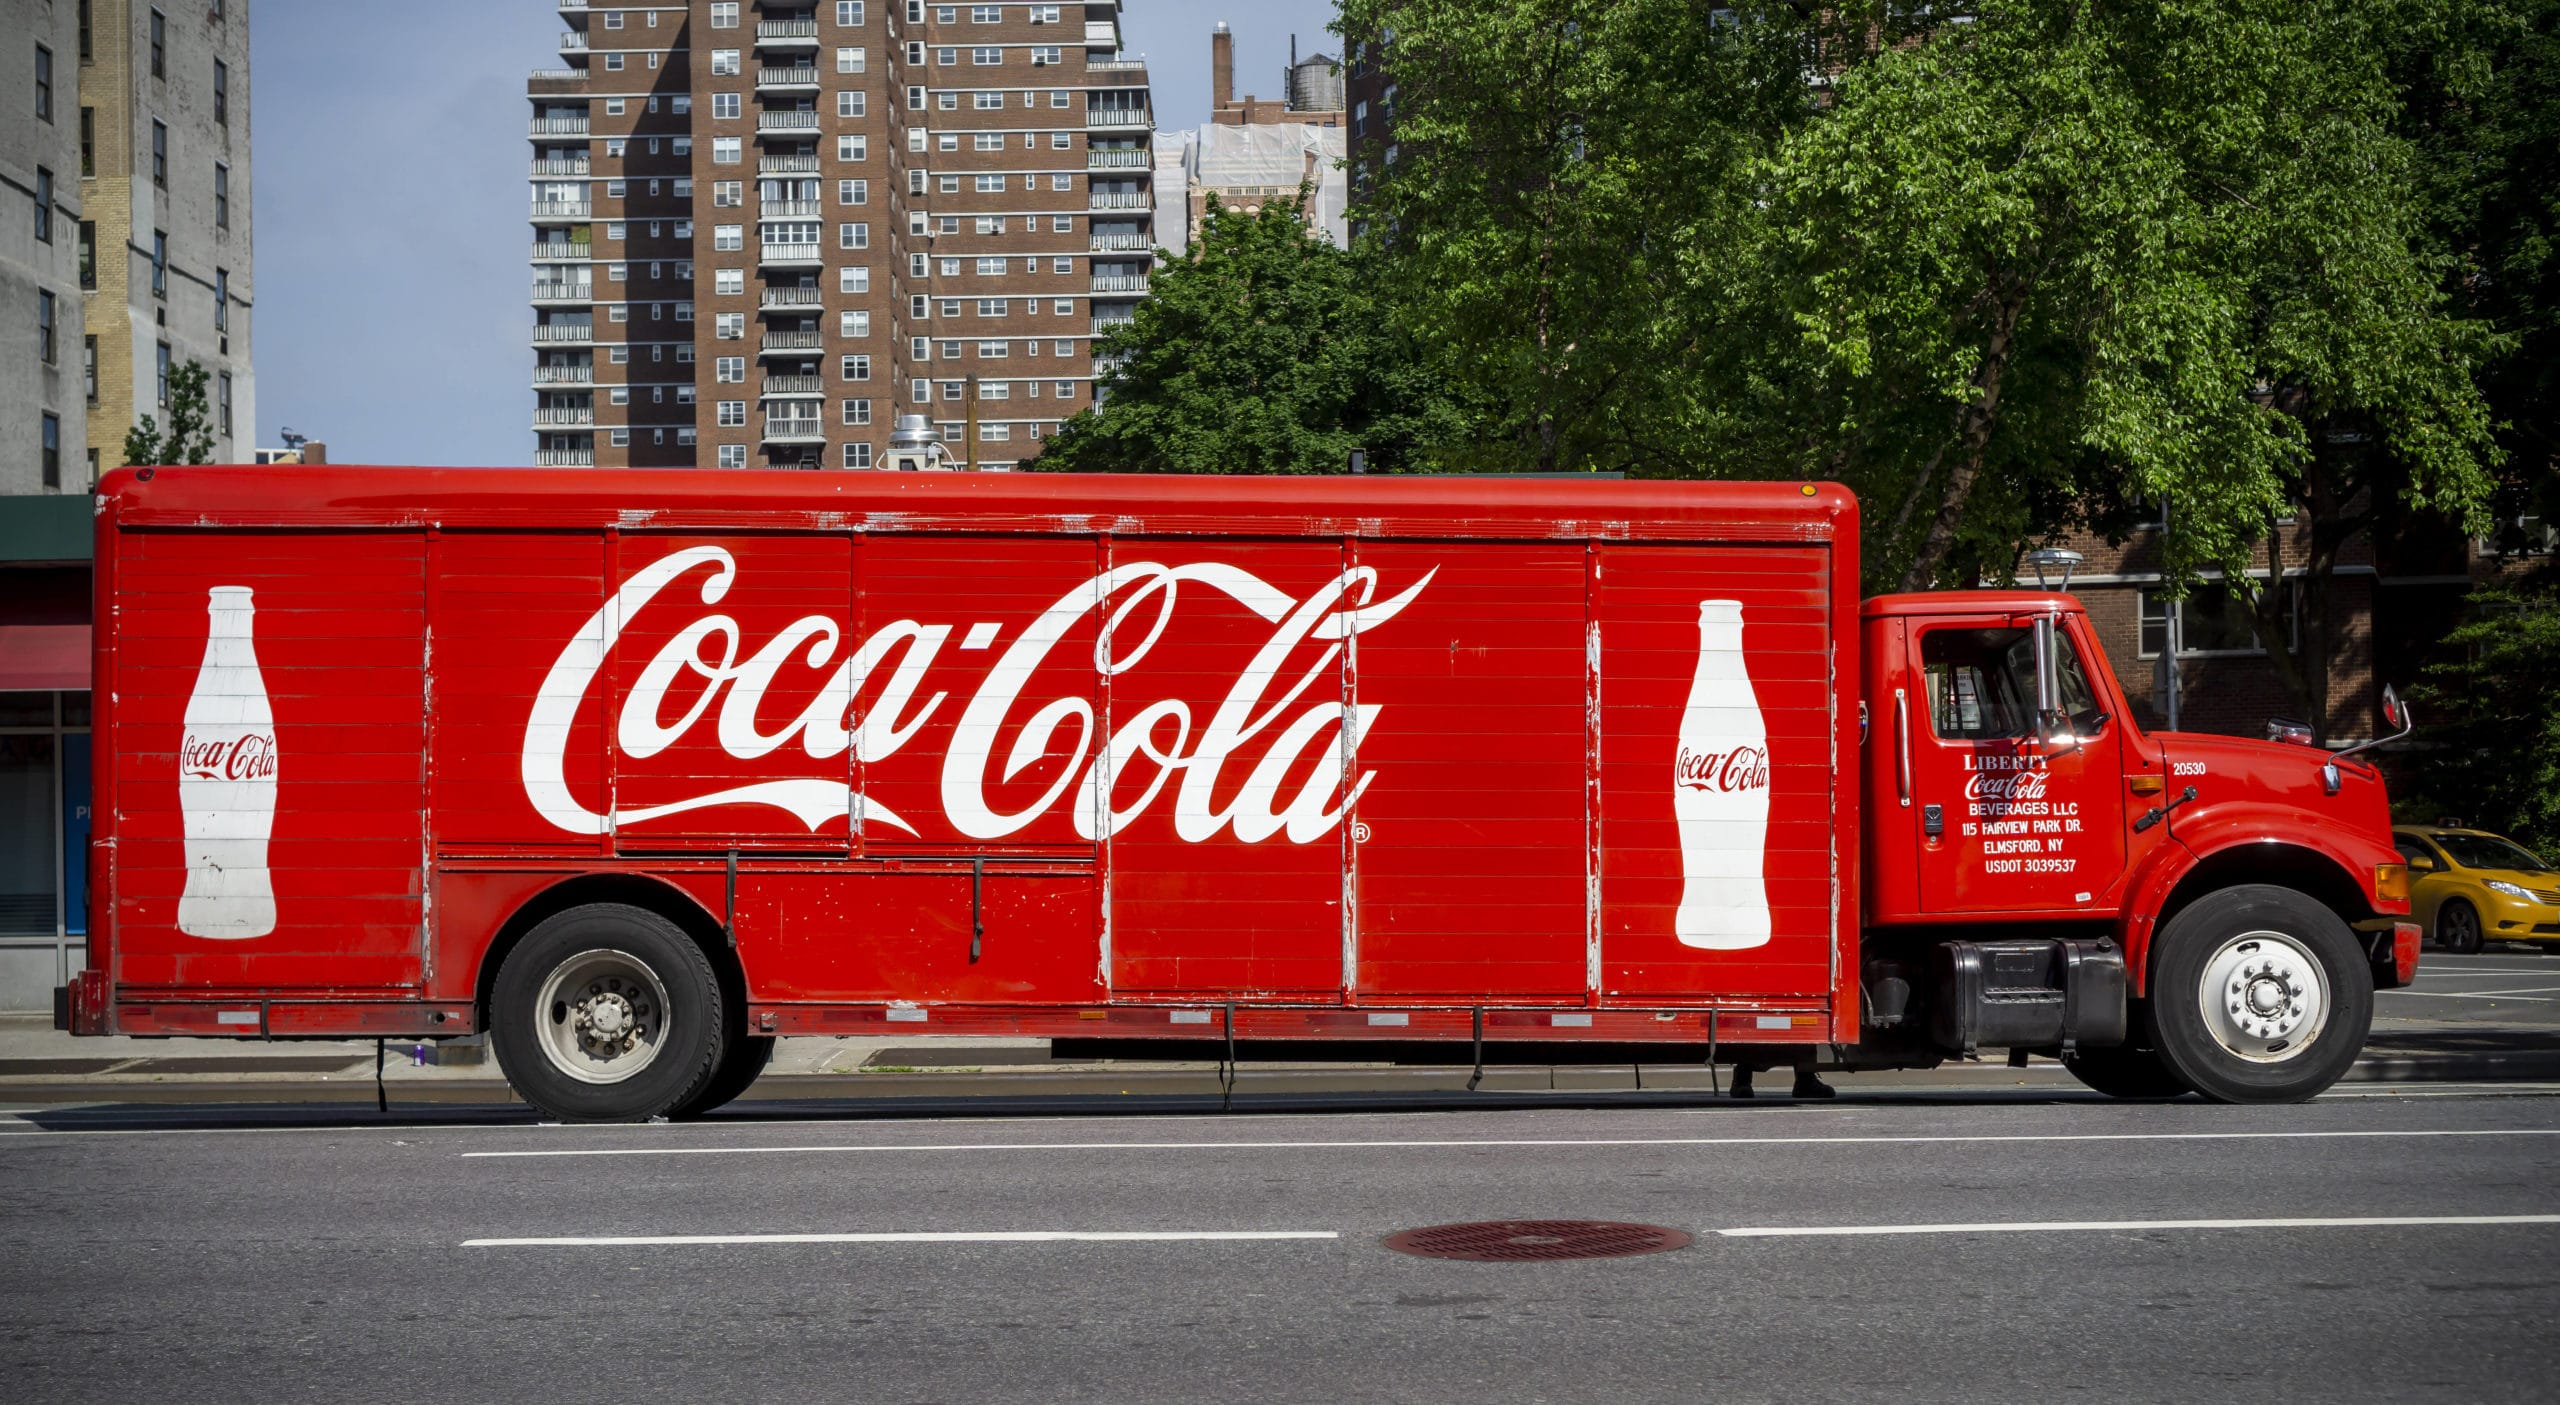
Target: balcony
pixel 565 417
pixel 786 165
pixel 557 75
pixel 1101 34
pixel 563 253
pixel 1103 243
pixel 794 430
pixel 1110 160
pixel 1121 200
pixel 774 299
pixel 786 34
pixel 791 210
pixel 1127 285
pixel 573 43
pixel 1113 117
pixel 564 334
pixel 794 385
pixel 1104 326
pixel 1115 65
pixel 564 458
pixel 558 290
pixel 564 375
pixel 573 6
pixel 547 211
pixel 777 78
pixel 791 344
pixel 786 254
pixel 560 166
pixel 559 126
pixel 787 123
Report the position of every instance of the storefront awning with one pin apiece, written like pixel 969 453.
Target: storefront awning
pixel 44 657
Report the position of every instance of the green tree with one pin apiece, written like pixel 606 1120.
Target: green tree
pixel 190 436
pixel 1567 214
pixel 2493 737
pixel 1259 350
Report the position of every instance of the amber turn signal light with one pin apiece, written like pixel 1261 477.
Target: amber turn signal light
pixel 2146 785
pixel 2391 882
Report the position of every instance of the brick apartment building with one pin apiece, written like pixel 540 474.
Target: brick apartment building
pixel 765 229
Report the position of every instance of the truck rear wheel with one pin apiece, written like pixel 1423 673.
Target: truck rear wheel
pixel 2258 995
pixel 739 1068
pixel 2125 1072
pixel 607 1013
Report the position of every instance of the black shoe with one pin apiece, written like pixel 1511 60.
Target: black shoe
pixel 1810 1085
pixel 1742 1082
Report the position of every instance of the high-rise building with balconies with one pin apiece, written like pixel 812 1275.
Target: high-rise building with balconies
pixel 765 229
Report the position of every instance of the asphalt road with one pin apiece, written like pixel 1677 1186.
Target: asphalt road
pixel 338 1263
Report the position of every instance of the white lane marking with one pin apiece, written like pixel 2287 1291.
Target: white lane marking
pixel 2475 995
pixel 990 1236
pixel 2466 972
pixel 1419 1144
pixel 2068 1226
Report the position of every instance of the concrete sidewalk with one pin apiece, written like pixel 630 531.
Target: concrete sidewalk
pixel 39 1066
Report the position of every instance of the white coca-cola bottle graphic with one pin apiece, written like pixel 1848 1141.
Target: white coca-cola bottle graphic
pixel 227 781
pixel 1720 793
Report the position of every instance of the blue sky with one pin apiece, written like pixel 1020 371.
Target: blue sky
pixel 390 188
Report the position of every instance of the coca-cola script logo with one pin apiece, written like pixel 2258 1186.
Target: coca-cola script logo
pixel 243 758
pixel 1742 768
pixel 1249 729
pixel 2005 785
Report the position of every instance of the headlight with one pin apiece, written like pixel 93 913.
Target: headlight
pixel 2500 885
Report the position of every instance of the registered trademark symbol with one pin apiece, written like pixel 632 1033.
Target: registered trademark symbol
pixel 1359 831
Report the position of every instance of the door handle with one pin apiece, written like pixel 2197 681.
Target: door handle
pixel 1902 744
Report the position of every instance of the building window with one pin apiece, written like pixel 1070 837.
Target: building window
pixel 222 402
pixel 724 14
pixel 733 456
pixel 53 451
pixel 854 278
pixel 88 141
pixel 853 104
pixel 992 351
pixel 985 184
pixel 2212 619
pixel 160 153
pixel 44 84
pixel 221 196
pixel 849 14
pixel 853 192
pixel 728 282
pixel 728 326
pixel 724 63
pixel 222 300
pixel 613 63
pixel 731 369
pixel 856 368
pixel 159 263
pixel 44 327
pixel 1044 56
pixel 857 412
pixel 853 147
pixel 850 61
pixel 221 93
pixel 725 106
pixel 163 361
pixel 621 439
pixel 89 369
pixel 853 322
pixel 728 238
pixel 853 236
pixel 733 414
pixel 44 205
pixel 728 194
pixel 87 30
pixel 946 57
pixel 857 456
pixel 988 56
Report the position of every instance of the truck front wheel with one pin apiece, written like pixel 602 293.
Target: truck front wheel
pixel 2258 995
pixel 607 1013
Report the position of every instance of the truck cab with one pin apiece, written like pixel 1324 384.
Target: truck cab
pixel 2165 911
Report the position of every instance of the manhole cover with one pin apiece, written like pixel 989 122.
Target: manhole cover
pixel 1529 1241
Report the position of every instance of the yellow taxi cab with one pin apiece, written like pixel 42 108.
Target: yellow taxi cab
pixel 2467 886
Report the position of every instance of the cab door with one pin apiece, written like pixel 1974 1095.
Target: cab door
pixel 2011 822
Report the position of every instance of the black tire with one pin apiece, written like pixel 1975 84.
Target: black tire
pixel 2126 1072
pixel 684 1031
pixel 2259 938
pixel 739 1068
pixel 2458 928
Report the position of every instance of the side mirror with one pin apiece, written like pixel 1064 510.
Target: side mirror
pixel 2394 711
pixel 2285 729
pixel 2420 863
pixel 2053 725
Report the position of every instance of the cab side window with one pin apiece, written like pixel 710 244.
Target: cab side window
pixel 1982 683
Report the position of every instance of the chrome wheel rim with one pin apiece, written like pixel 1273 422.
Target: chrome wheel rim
pixel 602 1016
pixel 2265 997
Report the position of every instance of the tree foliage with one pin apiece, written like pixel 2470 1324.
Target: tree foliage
pixel 190 436
pixel 1259 350
pixel 2493 753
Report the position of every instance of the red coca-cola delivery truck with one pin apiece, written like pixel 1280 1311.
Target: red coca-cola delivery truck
pixel 636 772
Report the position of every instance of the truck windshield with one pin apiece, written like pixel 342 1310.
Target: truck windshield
pixel 1982 683
pixel 2489 851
